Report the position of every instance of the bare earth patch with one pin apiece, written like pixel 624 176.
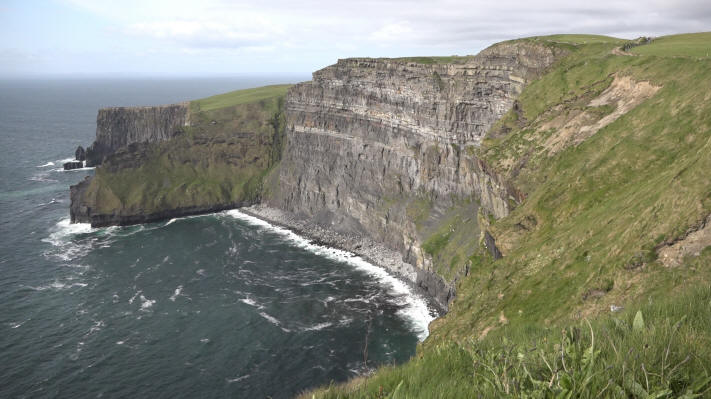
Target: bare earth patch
pixel 624 94
pixel 673 255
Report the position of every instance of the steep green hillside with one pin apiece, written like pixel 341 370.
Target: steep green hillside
pixel 219 161
pixel 613 154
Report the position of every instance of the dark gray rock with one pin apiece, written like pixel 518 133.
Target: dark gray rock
pixel 117 127
pixel 73 165
pixel 490 243
pixel 366 130
pixel 80 154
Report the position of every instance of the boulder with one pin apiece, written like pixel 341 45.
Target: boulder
pixel 73 165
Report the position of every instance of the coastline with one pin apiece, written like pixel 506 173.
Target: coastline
pixel 424 282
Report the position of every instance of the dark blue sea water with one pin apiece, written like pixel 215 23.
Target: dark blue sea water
pixel 219 305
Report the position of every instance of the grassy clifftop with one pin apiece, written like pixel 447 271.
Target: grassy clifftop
pixel 612 154
pixel 218 161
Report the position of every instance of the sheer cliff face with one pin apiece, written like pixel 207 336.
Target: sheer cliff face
pixel 118 127
pixel 365 132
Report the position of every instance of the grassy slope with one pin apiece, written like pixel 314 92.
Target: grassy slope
pixel 591 220
pixel 240 97
pixel 219 160
pixel 696 45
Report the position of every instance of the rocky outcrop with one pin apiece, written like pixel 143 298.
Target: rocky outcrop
pixel 83 209
pixel 80 154
pixel 149 175
pixel 117 127
pixel 366 131
pixel 71 165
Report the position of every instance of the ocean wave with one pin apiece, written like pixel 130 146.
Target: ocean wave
pixel 176 293
pixel 56 286
pixel 73 170
pixel 62 238
pixel 45 165
pixel 413 307
pixel 146 303
pixel 42 177
pixel 274 321
pixel 236 379
pixel 317 327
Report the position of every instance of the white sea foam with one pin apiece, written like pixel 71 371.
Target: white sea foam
pixel 414 308
pixel 61 238
pixel 73 170
pixel 274 321
pixel 133 298
pixel 317 327
pixel 176 293
pixel 146 303
pixel 98 325
pixel 251 302
pixel 46 165
pixel 237 379
pixel 56 286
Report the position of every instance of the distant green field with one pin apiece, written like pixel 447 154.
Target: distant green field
pixel 696 45
pixel 240 97
pixel 581 39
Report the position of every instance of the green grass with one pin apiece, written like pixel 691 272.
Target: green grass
pixel 221 160
pixel 661 349
pixel 580 39
pixel 697 45
pixel 239 97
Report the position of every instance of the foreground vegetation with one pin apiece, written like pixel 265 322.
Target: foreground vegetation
pixel 600 203
pixel 660 349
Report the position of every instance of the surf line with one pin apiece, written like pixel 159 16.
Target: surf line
pixel 413 307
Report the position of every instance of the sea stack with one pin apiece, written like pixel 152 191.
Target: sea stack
pixel 80 154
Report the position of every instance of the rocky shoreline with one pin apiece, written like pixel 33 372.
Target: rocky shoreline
pixel 426 283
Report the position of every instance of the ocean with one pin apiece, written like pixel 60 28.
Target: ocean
pixel 218 305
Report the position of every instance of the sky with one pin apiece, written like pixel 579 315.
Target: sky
pixel 214 38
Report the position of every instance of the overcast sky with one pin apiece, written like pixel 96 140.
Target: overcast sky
pixel 218 37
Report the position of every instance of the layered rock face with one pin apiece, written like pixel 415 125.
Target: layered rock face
pixel 369 134
pixel 117 127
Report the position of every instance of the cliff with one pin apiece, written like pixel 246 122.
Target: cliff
pixel 595 281
pixel 373 142
pixel 553 180
pixel 170 169
pixel 117 127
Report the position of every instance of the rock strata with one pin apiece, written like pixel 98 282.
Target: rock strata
pixel 368 134
pixel 117 127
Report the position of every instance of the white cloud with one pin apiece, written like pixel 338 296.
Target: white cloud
pixel 393 32
pixel 304 35
pixel 207 34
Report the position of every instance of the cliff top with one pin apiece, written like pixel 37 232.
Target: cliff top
pixel 239 97
pixel 138 107
pixel 573 39
pixel 696 45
